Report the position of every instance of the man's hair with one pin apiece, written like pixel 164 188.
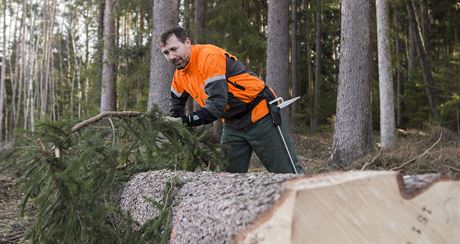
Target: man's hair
pixel 179 32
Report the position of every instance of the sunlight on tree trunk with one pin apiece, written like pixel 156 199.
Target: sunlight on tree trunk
pixel 387 115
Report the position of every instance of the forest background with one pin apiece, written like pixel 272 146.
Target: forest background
pixel 73 59
pixel 379 85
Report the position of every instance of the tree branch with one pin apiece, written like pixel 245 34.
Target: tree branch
pixel 102 115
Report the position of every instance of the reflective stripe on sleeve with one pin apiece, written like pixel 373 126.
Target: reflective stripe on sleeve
pixel 214 78
pixel 176 92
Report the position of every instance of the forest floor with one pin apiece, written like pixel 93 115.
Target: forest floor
pixel 416 152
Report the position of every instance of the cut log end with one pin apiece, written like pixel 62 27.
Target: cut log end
pixel 363 207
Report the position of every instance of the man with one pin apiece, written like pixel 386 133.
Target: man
pixel 225 88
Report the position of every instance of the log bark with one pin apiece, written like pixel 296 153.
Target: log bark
pixel 342 207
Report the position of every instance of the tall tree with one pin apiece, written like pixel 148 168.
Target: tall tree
pixel 424 60
pixel 278 48
pixel 3 74
pixel 387 114
pixel 109 92
pixel 165 16
pixel 318 54
pixel 353 128
pixel 399 67
pixel 294 54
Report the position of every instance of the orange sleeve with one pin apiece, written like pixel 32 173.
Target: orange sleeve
pixel 176 87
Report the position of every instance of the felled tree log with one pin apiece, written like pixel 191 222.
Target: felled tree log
pixel 345 207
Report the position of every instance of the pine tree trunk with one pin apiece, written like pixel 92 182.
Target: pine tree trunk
pixel 280 208
pixel 109 93
pixel 294 54
pixel 318 54
pixel 165 16
pixel 278 50
pixel 353 127
pixel 423 59
pixel 387 113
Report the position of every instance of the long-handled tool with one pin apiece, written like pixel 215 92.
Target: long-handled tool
pixel 282 104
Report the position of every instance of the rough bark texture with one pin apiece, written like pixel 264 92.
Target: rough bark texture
pixel 353 128
pixel 277 208
pixel 109 90
pixel 165 16
pixel 211 208
pixel 387 111
pixel 278 48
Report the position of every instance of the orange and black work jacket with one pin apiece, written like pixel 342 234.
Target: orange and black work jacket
pixel 222 86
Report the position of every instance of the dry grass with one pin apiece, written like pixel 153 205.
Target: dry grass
pixel 415 152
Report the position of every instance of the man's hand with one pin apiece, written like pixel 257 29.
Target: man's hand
pixel 170 119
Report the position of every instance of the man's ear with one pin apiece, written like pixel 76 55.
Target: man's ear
pixel 188 41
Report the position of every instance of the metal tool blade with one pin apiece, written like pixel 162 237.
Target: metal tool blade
pixel 288 102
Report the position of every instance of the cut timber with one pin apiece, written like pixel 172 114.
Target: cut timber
pixel 343 207
pixel 363 207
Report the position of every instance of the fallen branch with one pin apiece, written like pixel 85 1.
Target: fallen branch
pixel 102 115
pixel 369 163
pixel 419 156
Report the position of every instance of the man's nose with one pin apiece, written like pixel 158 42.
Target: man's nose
pixel 171 56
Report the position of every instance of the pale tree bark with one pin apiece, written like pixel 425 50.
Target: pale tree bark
pixel 165 16
pixel 3 74
pixel 424 60
pixel 278 49
pixel 21 60
pixel 318 51
pixel 294 54
pixel 353 127
pixel 109 93
pixel 46 61
pixel 387 111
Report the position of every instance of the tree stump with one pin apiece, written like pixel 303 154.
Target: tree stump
pixel 341 207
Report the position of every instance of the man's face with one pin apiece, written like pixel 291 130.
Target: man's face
pixel 177 52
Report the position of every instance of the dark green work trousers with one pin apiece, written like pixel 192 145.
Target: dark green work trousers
pixel 264 138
